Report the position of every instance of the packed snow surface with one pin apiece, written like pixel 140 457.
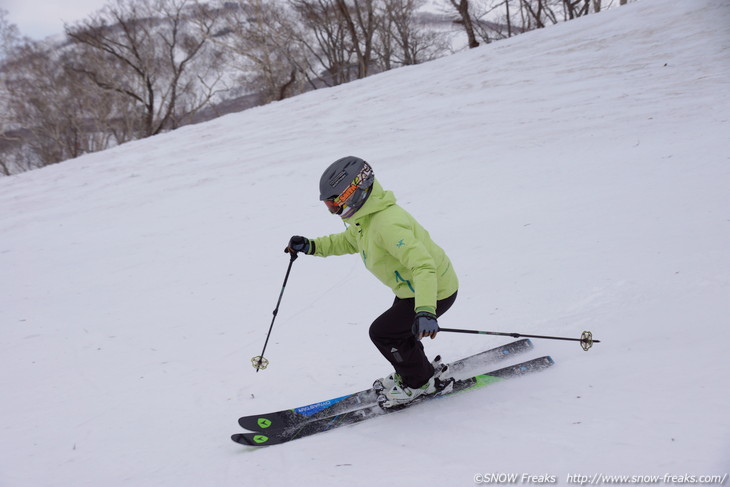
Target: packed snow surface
pixel 578 177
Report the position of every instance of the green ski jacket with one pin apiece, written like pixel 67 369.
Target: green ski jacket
pixel 396 249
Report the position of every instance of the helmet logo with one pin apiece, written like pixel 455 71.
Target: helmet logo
pixel 336 180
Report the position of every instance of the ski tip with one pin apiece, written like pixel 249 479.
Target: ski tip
pixel 257 423
pixel 238 438
pixel 257 439
pixel 251 439
pixel 516 347
pixel 543 362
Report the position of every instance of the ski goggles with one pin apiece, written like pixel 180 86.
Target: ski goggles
pixel 332 206
pixel 336 204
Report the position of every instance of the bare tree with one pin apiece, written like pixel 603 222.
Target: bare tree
pixel 462 6
pixel 349 39
pixel 492 20
pixel 508 18
pixel 55 114
pixel 322 33
pixel 9 40
pixel 401 39
pixel 143 50
pixel 132 70
pixel 537 13
pixel 322 42
pixel 576 8
pixel 257 37
pixel 362 22
pixel 9 35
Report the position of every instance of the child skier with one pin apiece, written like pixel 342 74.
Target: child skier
pixel 399 252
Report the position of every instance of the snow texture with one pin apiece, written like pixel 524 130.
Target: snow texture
pixel 579 178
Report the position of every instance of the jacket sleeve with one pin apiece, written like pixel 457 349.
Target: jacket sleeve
pixel 335 244
pixel 400 241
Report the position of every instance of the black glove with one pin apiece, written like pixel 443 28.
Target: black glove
pixel 425 325
pixel 298 244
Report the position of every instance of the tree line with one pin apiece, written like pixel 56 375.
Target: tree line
pixel 137 68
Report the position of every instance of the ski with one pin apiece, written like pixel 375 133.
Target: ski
pixel 292 417
pixel 278 436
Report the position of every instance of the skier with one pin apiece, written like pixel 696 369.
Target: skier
pixel 399 252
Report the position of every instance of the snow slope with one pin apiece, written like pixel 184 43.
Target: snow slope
pixel 578 176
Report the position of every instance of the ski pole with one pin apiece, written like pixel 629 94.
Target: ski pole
pixel 259 362
pixel 586 339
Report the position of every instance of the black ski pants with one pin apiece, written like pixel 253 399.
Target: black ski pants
pixel 391 333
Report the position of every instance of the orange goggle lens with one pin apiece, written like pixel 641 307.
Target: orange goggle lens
pixel 336 204
pixel 332 206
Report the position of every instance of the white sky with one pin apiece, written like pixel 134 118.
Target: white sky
pixel 38 19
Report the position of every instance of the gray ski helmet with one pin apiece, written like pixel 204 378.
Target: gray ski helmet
pixel 346 185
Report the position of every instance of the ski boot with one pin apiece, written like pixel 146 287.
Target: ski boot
pixel 388 382
pixel 393 394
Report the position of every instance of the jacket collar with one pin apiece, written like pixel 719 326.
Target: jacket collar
pixel 378 200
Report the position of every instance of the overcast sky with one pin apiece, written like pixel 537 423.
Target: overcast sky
pixel 38 19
